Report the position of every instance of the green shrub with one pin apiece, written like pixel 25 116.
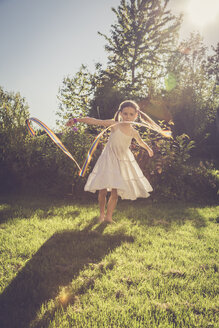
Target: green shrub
pixel 48 169
pixel 41 167
pixel 172 173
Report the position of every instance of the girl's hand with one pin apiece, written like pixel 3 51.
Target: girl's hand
pixel 71 122
pixel 150 152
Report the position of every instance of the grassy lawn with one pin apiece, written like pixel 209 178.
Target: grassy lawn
pixel 156 267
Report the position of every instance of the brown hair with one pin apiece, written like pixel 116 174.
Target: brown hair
pixel 124 104
pixel 130 103
pixel 144 118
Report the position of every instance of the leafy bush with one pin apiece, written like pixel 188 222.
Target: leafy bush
pixel 42 167
pixel 13 113
pixel 48 169
pixel 172 173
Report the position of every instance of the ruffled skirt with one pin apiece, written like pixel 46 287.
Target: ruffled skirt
pixel 123 174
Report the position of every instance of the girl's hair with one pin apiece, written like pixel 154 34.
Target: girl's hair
pixel 143 117
pixel 124 104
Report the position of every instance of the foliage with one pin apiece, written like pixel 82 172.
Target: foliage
pixel 138 48
pixel 43 168
pixel 191 183
pixel 190 101
pixel 139 44
pixel 144 63
pixel 106 101
pixel 172 173
pixel 13 113
pixel 48 169
pixel 75 95
pixel 213 68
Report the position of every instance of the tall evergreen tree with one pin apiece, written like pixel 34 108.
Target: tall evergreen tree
pixel 140 43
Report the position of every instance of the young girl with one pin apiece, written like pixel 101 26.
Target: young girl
pixel 116 170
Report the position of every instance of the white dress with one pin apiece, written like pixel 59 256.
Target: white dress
pixel 116 168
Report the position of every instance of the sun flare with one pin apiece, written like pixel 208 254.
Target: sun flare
pixel 203 12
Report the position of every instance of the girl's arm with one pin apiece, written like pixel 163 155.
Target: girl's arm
pixel 142 143
pixel 90 121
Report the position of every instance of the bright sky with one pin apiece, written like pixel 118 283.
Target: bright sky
pixel 42 41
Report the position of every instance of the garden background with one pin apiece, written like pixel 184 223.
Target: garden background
pixel 176 83
pixel 158 263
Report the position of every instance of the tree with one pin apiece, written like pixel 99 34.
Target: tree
pixel 213 70
pixel 13 113
pixel 140 44
pixel 138 49
pixel 212 67
pixel 191 93
pixel 75 94
pixel 106 100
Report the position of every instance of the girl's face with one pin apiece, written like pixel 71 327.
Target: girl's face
pixel 129 114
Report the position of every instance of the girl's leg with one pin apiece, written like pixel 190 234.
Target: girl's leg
pixel 102 203
pixel 111 205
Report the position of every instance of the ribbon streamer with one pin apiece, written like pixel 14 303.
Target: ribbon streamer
pixel 165 133
pixel 82 171
pixel 52 135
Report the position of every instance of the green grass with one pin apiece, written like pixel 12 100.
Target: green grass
pixel 156 267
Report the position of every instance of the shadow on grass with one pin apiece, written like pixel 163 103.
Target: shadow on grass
pixel 55 264
pixel 25 207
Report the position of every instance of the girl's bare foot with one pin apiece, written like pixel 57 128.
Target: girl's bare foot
pixel 101 218
pixel 109 220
